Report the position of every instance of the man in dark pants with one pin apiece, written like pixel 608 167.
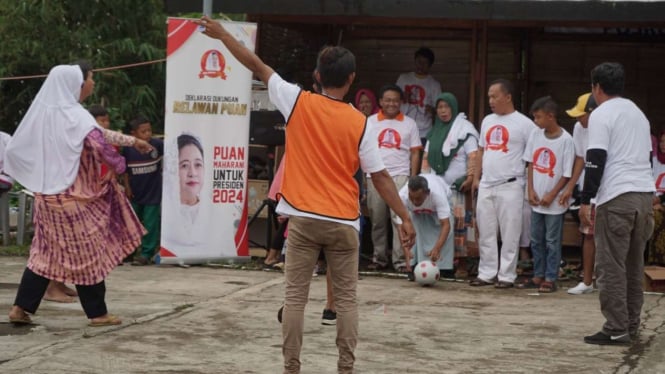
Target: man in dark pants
pixel 618 174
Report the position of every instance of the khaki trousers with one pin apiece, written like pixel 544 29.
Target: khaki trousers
pixel 307 236
pixel 380 215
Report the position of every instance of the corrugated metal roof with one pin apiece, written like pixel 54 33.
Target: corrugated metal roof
pixel 501 10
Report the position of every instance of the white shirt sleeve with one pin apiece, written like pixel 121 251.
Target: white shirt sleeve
pixel 436 91
pixel 568 158
pixel 370 158
pixel 441 205
pixel 528 148
pixel 404 196
pixel 577 140
pixel 481 138
pixel 414 136
pixel 282 94
pixel 599 131
pixel 470 145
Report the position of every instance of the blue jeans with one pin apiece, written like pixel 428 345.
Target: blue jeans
pixel 546 232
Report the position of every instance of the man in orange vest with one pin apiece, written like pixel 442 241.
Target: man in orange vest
pixel 326 145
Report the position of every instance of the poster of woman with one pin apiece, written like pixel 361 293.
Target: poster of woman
pixel 204 212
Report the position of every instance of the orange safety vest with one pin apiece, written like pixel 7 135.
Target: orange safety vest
pixel 322 141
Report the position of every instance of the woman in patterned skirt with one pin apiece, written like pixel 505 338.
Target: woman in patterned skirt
pixel 84 225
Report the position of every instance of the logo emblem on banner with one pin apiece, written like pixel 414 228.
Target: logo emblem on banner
pixel 212 64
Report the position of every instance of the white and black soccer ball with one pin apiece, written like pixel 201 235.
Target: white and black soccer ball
pixel 426 273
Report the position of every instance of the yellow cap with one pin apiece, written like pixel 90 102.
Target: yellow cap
pixel 585 104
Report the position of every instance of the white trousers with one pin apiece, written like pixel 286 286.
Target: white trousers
pixel 499 209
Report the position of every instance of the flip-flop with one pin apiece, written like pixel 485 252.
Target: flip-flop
pixel 528 284
pixel 480 282
pixel 110 320
pixel 23 320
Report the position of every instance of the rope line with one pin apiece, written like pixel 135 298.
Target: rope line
pixel 118 67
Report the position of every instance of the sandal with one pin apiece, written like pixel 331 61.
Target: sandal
pixel 402 270
pixel 479 282
pixel 529 284
pixel 547 287
pixel 270 265
pixel 22 320
pixel 503 284
pixel 110 320
pixel 375 266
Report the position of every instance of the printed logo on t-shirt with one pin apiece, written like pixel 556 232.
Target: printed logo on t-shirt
pixel 414 94
pixel 423 211
pixel 496 139
pixel 389 138
pixel 544 161
pixel 660 183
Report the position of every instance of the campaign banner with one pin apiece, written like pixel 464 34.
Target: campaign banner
pixel 208 104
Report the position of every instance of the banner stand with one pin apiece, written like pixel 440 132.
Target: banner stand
pixel 206 147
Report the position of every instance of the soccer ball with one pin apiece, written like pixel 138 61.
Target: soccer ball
pixel 426 273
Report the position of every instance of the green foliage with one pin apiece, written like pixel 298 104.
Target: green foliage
pixel 15 250
pixel 39 34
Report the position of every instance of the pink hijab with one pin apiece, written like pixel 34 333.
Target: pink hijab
pixel 370 95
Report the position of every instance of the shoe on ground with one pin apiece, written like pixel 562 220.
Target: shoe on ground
pixel 447 273
pixel 329 318
pixel 279 314
pixel 410 276
pixel 580 289
pixel 601 338
pixel 140 261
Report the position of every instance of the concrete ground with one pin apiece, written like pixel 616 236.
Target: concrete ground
pixel 215 320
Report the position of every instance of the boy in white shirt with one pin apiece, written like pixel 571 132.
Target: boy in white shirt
pixel 420 91
pixel 550 154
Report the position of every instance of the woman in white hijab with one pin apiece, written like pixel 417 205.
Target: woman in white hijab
pixel 84 225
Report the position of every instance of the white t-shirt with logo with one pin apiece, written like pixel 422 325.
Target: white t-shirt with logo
pixel 619 127
pixel 395 138
pixel 457 167
pixel 435 203
pixel 419 92
pixel 552 159
pixel 503 139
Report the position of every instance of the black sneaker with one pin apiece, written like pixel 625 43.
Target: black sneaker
pixel 410 276
pixel 279 314
pixel 329 318
pixel 447 273
pixel 601 338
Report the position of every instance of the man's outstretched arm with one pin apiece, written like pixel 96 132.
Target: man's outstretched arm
pixel 246 57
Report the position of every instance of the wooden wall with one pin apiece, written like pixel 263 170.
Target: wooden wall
pixel 537 63
pixel 562 69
